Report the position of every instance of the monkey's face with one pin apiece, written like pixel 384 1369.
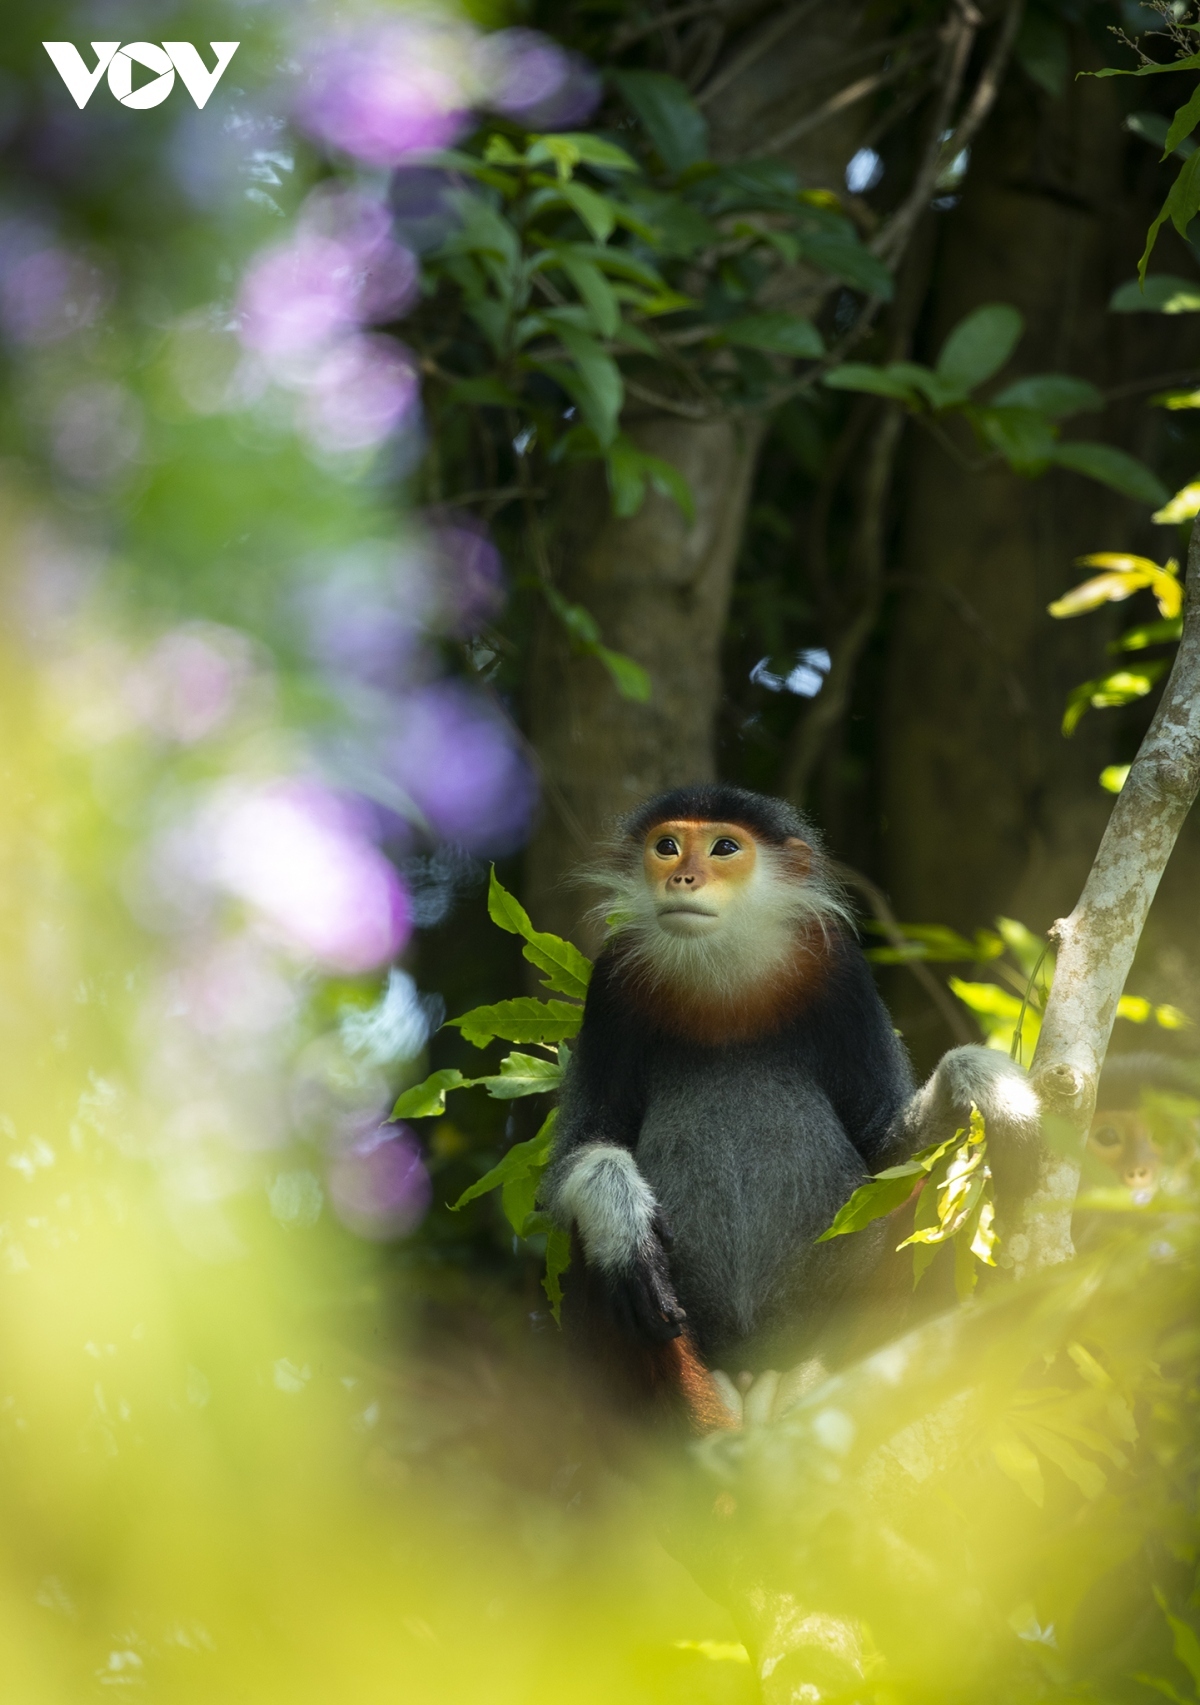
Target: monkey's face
pixel 1121 1139
pixel 695 872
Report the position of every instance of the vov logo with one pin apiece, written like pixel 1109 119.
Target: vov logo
pixel 119 62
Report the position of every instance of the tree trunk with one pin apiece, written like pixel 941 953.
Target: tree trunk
pixel 660 588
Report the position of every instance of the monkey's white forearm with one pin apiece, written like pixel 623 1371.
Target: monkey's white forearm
pixel 601 1191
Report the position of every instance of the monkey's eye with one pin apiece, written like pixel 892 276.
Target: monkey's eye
pixel 724 848
pixel 666 848
pixel 1106 1137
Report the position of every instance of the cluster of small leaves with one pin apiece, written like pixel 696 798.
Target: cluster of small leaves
pixel 954 1204
pixel 1123 576
pixel 546 1024
pixel 1010 1018
pixel 1020 424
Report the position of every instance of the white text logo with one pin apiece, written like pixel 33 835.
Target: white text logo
pixel 119 62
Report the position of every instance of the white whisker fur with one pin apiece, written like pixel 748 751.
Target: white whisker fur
pixel 758 932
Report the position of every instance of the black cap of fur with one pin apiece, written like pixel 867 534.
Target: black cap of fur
pixel 1123 1077
pixel 716 802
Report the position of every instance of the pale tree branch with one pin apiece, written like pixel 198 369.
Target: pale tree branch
pixel 1096 944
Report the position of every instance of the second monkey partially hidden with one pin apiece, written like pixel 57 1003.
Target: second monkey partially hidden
pixel 735 1080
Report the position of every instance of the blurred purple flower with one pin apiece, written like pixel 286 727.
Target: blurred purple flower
pixel 189 683
pixel 46 292
pixel 358 393
pixel 96 432
pixel 471 577
pixel 378 1185
pixel 300 857
pixel 460 764
pixel 532 79
pixel 301 296
pixel 366 613
pixel 388 90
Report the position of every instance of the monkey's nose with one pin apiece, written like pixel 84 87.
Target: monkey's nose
pixel 680 877
pixel 1138 1177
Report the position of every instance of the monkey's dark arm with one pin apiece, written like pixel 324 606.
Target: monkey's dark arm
pixel 593 1183
pixel 846 1037
pixel 864 1070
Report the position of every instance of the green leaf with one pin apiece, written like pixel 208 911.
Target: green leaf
pixel 488 392
pixel 566 969
pixel 1090 1478
pixel 980 345
pixel 1114 776
pixel 429 1098
pixel 1187 1646
pixel 1181 204
pixel 871 1201
pixel 523 1019
pixel 673 121
pixel 584 148
pixel 1053 394
pixel 1185 121
pixel 1164 1687
pixel 602 391
pixel 845 258
pixel 594 290
pixel 1113 468
pixel 523 1074
pixel 1190 63
pixel 1164 293
pixel 879 381
pixel 629 678
pixel 1151 633
pixel 1042 51
pixel 597 212
pixel 1025 438
pixel 558 1259
pixel 1025 947
pixel 784 334
pixel 524 1162
pixel 1122 687
pixel 1015 1458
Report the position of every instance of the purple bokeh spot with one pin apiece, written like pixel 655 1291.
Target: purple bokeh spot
pixel 300 856
pixel 46 292
pixel 471 576
pixel 367 611
pixel 534 80
pixel 388 91
pixel 379 1186
pixel 358 393
pixel 460 764
pixel 301 296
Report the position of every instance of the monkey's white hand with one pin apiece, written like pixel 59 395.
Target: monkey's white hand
pixel 1001 1090
pixel 625 1236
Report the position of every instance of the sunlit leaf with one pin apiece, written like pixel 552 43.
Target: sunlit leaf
pixel 1171 1018
pixel 581 147
pixel 1114 776
pixel 1014 1458
pixel 523 1019
pixel 1182 507
pixel 1026 948
pixel 980 345
pixel 1122 687
pixel 1088 1476
pixel 871 1201
pixel 1101 589
pixel 1187 1645
pixel 1150 633
pixel 1133 1007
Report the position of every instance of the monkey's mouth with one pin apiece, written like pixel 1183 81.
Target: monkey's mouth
pixel 687 911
